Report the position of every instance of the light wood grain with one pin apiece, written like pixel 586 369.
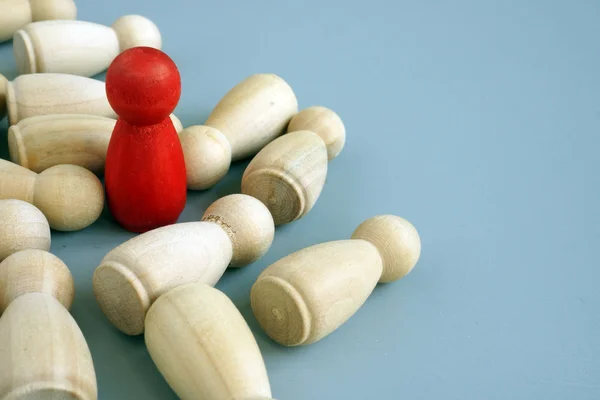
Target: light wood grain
pixel 49 93
pixel 3 82
pixel 43 353
pixel 22 226
pixel 79 47
pixel 207 156
pixel 43 141
pixel 236 229
pixel 305 296
pixel 134 274
pixel 253 113
pixel 325 123
pixel 203 347
pixel 35 271
pixel 248 223
pixel 287 175
pixel 135 31
pixel 70 197
pixel 398 242
pixel 15 14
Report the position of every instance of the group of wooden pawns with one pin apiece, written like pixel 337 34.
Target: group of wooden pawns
pixel 161 282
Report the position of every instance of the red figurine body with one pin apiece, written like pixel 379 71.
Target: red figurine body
pixel 144 175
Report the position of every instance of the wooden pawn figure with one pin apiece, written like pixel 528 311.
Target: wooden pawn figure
pixel 15 14
pixel 308 294
pixel 203 347
pixel 22 226
pixel 48 93
pixel 71 197
pixel 145 175
pixel 43 353
pixel 235 230
pixel 250 115
pixel 288 174
pixel 43 141
pixel 80 47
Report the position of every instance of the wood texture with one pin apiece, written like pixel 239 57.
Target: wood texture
pixel 236 228
pixel 134 274
pixel 207 155
pixel 325 123
pixel 40 142
pixel 22 226
pixel 203 347
pixel 287 175
pixel 35 271
pixel 398 243
pixel 253 113
pixel 43 354
pixel 79 47
pixel 3 82
pixel 70 197
pixel 47 93
pixel 305 296
pixel 248 223
pixel 15 14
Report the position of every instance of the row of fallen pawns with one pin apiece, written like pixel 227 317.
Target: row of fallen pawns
pixel 161 283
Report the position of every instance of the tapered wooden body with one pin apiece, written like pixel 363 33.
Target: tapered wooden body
pixel 70 197
pixel 235 229
pixel 288 174
pixel 79 47
pixel 40 142
pixel 133 275
pixel 308 294
pixel 253 113
pixel 22 226
pixel 43 354
pixel 15 14
pixel 48 93
pixel 203 347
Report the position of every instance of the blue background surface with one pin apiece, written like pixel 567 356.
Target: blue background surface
pixel 478 121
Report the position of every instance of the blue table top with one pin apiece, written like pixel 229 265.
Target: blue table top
pixel 478 121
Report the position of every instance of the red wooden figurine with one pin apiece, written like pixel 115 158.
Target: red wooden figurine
pixel 145 175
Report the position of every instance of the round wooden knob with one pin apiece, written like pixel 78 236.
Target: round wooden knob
pixel 137 31
pixel 71 197
pixel 207 155
pixel 248 223
pixel 325 123
pixel 35 271
pixel 398 243
pixel 22 226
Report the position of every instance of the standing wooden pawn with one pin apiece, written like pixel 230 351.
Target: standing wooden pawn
pixel 43 353
pixel 307 295
pixel 288 174
pixel 145 173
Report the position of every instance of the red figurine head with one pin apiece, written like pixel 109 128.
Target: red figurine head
pixel 143 85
